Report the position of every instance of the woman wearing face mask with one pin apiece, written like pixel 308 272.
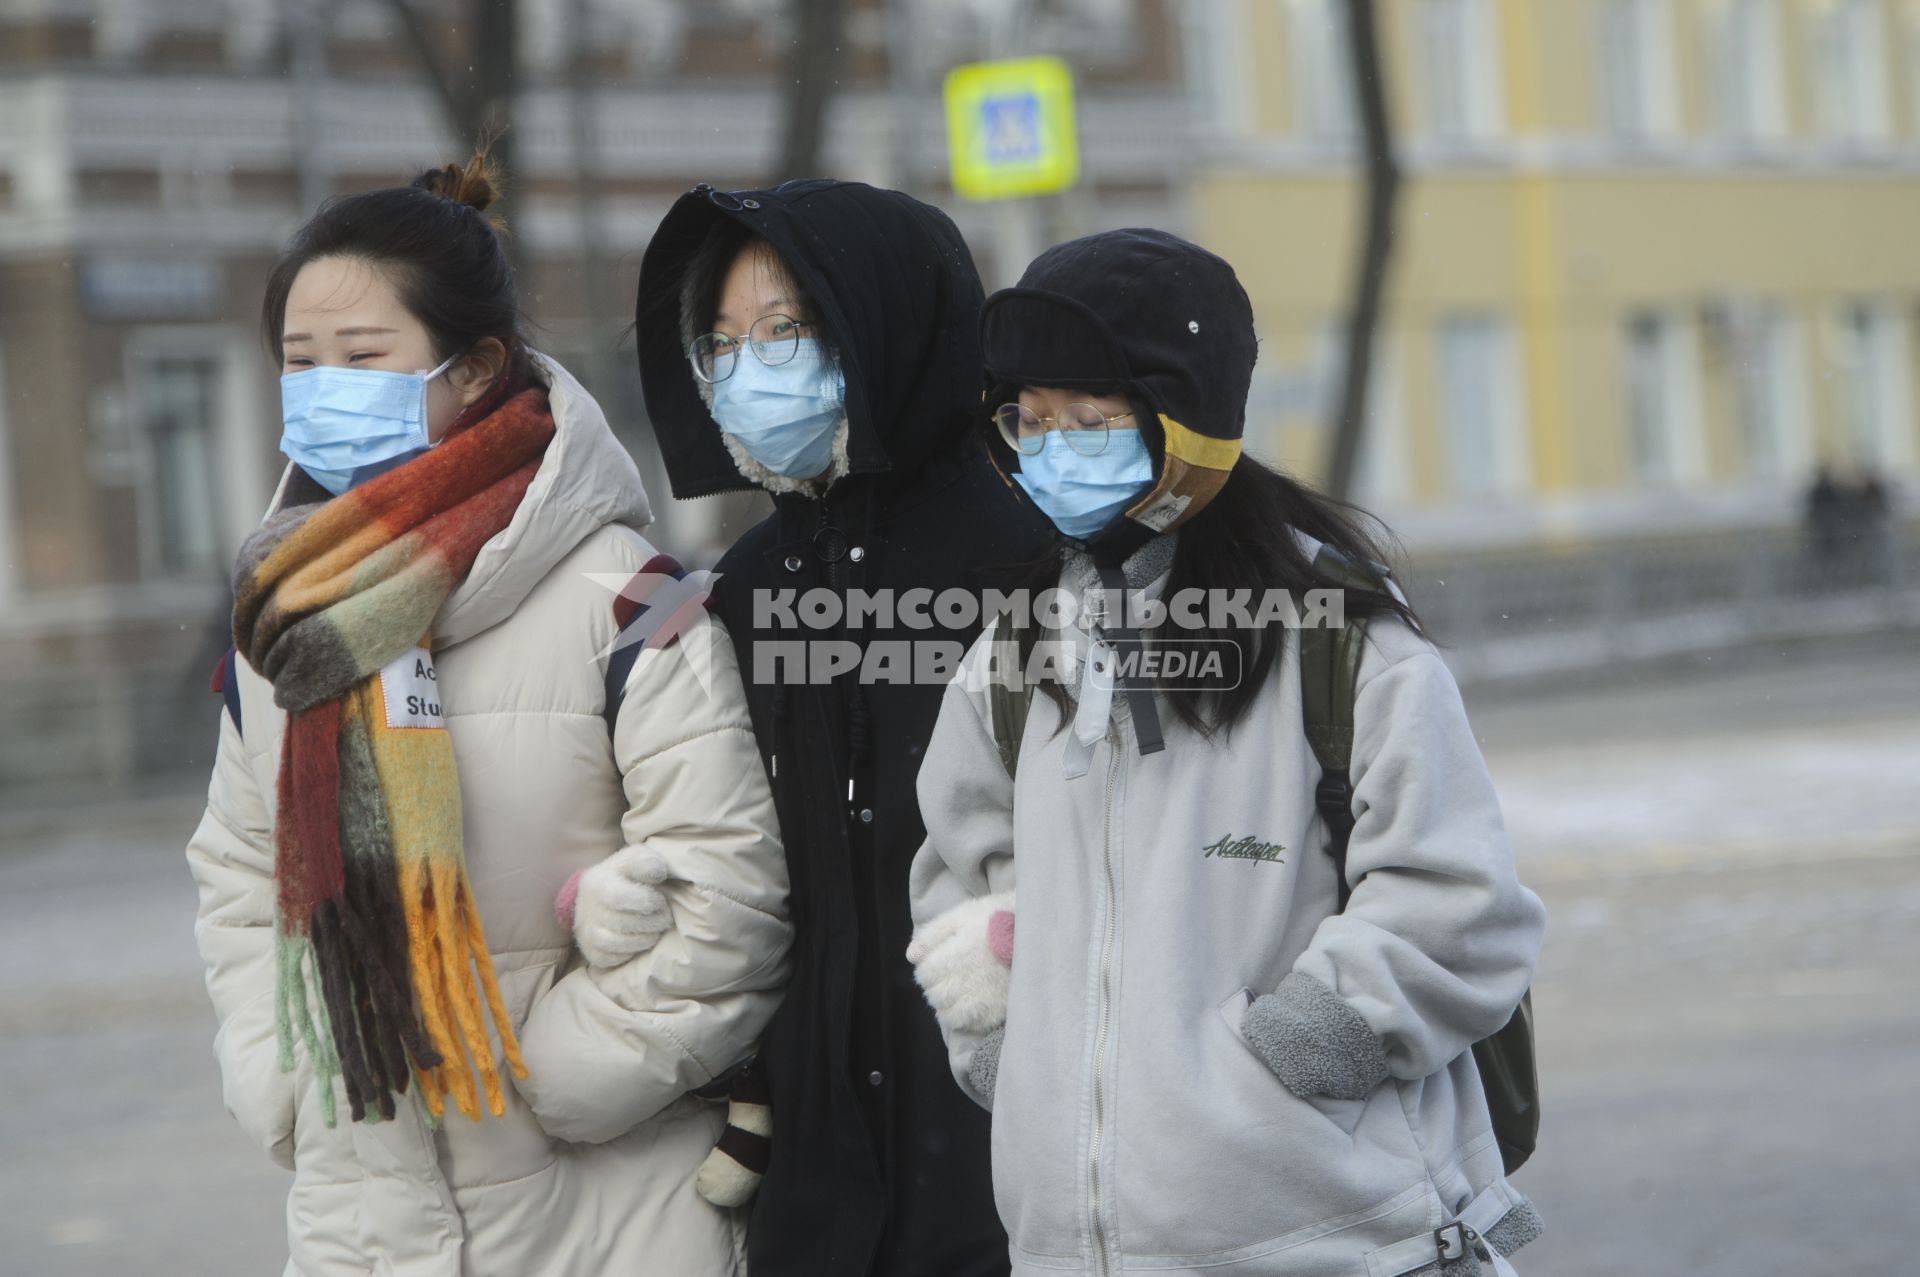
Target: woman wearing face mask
pixel 819 342
pixel 438 718
pixel 1211 1050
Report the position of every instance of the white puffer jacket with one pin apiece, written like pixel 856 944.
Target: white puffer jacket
pixel 591 1170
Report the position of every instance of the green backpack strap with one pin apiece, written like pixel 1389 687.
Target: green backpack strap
pixel 1329 679
pixel 1329 675
pixel 1007 706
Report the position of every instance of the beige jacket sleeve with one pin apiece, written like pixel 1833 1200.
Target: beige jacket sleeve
pixel 231 857
pixel 608 1048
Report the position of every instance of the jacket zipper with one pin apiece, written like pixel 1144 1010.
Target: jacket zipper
pixel 1103 1260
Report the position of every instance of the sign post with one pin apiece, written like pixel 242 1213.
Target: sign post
pixel 1011 136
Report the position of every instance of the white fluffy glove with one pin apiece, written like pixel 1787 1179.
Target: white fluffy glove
pixel 963 960
pixel 615 908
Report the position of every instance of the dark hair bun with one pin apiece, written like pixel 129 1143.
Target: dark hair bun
pixel 476 185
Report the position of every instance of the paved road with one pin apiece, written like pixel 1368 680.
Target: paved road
pixel 1729 1000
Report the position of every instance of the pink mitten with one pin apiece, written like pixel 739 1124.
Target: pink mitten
pixel 569 896
pixel 1000 935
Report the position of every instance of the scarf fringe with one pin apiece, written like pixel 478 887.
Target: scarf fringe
pixel 362 1026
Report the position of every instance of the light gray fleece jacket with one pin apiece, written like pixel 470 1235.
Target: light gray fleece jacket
pixel 1144 1121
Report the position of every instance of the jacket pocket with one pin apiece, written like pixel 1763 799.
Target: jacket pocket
pixel 1344 1114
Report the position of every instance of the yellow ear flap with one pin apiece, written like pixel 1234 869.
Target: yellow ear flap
pixel 1197 449
pixel 1196 468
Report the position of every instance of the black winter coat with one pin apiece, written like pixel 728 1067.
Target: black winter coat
pixel 879 1162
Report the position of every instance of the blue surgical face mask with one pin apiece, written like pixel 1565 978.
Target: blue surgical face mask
pixel 784 416
pixel 1083 494
pixel 339 421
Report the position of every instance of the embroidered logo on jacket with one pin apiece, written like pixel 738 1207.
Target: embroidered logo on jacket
pixel 1249 848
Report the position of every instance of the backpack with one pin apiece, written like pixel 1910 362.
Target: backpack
pixel 1329 671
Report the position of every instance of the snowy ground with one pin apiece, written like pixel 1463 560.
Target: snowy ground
pixel 1729 1000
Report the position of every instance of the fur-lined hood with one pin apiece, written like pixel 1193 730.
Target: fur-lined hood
pixel 899 298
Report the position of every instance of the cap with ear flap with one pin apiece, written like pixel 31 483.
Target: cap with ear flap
pixel 1148 315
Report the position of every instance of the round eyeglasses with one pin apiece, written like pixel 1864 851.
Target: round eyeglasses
pixel 1082 425
pixel 774 340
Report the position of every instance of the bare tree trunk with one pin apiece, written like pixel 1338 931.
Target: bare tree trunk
pixel 494 82
pixel 813 74
pixel 478 105
pixel 1383 184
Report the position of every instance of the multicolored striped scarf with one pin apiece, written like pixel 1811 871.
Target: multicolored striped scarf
pixel 383 964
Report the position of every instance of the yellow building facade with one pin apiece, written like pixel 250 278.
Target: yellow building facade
pixel 1655 260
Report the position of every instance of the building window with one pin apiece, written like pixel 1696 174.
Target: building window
pixel 1479 406
pixel 1663 398
pixel 1749 103
pixel 1636 47
pixel 1460 95
pixel 1380 469
pixel 178 399
pixel 1318 43
pixel 1850 69
pixel 1913 69
pixel 1769 389
pixel 1215 66
pixel 1874 393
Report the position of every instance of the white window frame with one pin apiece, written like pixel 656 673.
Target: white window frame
pixel 1380 472
pixel 1850 99
pixel 1911 26
pixel 1476 84
pixel 1877 363
pixel 1217 66
pixel 245 431
pixel 1674 378
pixel 1510 470
pixel 1749 90
pixel 1639 93
pixel 1766 352
pixel 1320 68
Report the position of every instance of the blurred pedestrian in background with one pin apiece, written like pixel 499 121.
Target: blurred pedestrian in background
pixel 423 747
pixel 1849 528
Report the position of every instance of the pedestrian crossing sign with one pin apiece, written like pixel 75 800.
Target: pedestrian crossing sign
pixel 1010 128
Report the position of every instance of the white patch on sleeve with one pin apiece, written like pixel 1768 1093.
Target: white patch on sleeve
pixel 411 691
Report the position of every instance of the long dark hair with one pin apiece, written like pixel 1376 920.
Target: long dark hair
pixel 438 247
pixel 1243 540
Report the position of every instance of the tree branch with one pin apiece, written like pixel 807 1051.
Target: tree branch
pixel 458 107
pixel 1383 183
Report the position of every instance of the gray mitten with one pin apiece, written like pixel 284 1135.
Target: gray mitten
pixel 1313 1041
pixel 984 1069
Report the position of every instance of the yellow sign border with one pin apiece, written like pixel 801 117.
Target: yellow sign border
pixel 1056 168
